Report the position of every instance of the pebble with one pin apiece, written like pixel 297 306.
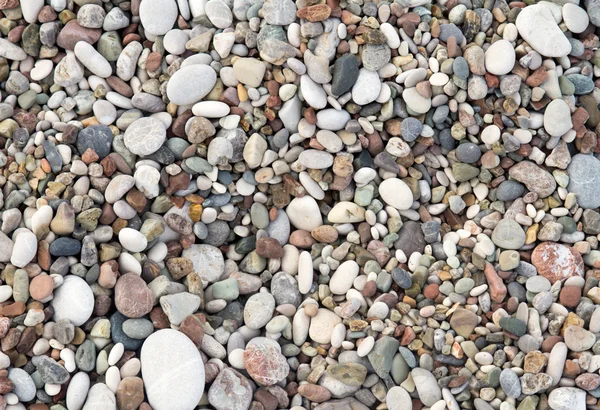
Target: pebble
pixel 279 204
pixel 191 84
pixel 537 26
pixel 169 351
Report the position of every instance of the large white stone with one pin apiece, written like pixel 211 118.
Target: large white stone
pixel 190 84
pixel 313 93
pixel 367 87
pixel 567 398
pixel 77 391
pixel 132 240
pixel 73 300
pixel 500 57
pixel 158 16
pixel 343 278
pixel 24 249
pixel 92 59
pixel 396 193
pixel 172 370
pixel 304 213
pixel 537 26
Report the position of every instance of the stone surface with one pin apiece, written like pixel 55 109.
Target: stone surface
pixel 171 352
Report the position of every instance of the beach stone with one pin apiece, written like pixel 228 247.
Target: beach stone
pixel 510 383
pixel 345 74
pixel 463 322
pixel 133 298
pixel 190 84
pixel 513 325
pixel 11 51
pixel 100 397
pixel 279 12
pixel 259 310
pixel 322 324
pixel 567 398
pixel 382 354
pixel 73 301
pixel 557 262
pixel 24 386
pixel 535 178
pixel 578 339
pixel 158 16
pixel 230 390
pixel 265 364
pixel 537 26
pixel 508 234
pixel 171 352
pixel 219 13
pixel 426 385
pixel 249 71
pixel 352 374
pixel 366 88
pixel 500 57
pixel 96 137
pixel 342 279
pixel 145 136
pixel 396 193
pixel 207 260
pixel 557 118
pixel 584 171
pixel 304 213
pixel 24 249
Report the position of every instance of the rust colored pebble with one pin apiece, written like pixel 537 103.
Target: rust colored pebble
pixel 431 291
pixel 570 296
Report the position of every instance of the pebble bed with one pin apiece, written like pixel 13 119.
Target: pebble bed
pixel 303 205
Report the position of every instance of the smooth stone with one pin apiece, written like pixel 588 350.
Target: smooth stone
pixel 322 324
pixel 191 84
pixel 396 193
pixel 207 260
pixel 342 279
pixel 537 26
pixel 24 249
pixel 158 16
pixel 145 136
pixel 367 87
pixel 259 310
pixel 332 119
pixel 508 234
pixel 100 397
pixel 77 390
pixel 427 386
pixel 24 385
pixel 584 171
pixel 500 57
pixel 304 213
pixel 73 301
pixel 249 71
pixel 92 59
pixel 567 398
pixel 557 118
pixel 171 352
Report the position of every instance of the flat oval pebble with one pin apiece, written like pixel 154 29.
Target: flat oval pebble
pixel 171 352
pixel 73 301
pixel 190 84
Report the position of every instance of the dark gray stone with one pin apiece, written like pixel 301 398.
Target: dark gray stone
pixel 345 73
pixel 97 137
